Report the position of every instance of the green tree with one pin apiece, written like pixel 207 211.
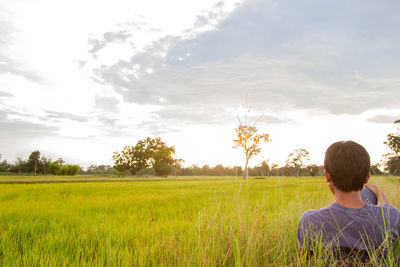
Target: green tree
pixel 297 159
pixel 4 166
pixel 313 170
pixel 19 166
pixel 146 153
pixel 392 162
pixel 264 168
pixel 161 157
pixel 33 160
pixel 375 169
pixel 393 141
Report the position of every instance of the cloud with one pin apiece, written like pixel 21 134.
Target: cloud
pixel 63 115
pixel 108 37
pixel 384 118
pixel 5 94
pixel 18 136
pixel 282 55
pixel 109 104
pixel 9 62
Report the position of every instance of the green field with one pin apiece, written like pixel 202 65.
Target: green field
pixel 184 221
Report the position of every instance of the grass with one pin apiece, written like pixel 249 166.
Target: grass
pixel 184 221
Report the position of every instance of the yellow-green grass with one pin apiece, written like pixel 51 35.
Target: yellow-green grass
pixel 167 222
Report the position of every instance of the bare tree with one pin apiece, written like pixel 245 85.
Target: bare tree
pixel 247 137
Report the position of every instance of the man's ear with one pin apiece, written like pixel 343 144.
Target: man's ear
pixel 328 176
pixel 329 181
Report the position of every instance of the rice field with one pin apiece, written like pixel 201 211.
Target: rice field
pixel 184 221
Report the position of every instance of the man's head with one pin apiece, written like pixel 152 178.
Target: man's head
pixel 347 164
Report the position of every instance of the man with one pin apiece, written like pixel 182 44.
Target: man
pixel 349 227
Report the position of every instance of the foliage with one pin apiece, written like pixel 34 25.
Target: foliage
pixel 249 140
pixel 4 166
pixel 146 153
pixel 297 159
pixel 32 162
pixel 99 170
pixel 263 169
pixel 374 170
pixel 392 159
pixel 37 164
pixel 393 165
pixel 393 141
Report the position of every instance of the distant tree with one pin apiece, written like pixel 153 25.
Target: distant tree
pixel 393 165
pixel 247 137
pixel 264 168
pixel 133 158
pixel 161 157
pixel 205 170
pixel 375 169
pixel 33 161
pixel 249 140
pixel 70 169
pixel 392 160
pixel 177 166
pixel 393 141
pixel 19 166
pixel 45 165
pixel 99 170
pixel 146 153
pixel 297 159
pixel 219 169
pixel 238 170
pixel 4 166
pixel 313 170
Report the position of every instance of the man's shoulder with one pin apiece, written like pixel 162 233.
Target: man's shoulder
pixel 316 214
pixel 383 209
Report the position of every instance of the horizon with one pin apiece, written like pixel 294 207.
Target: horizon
pixel 120 71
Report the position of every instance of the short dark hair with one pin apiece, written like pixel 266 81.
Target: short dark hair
pixel 348 164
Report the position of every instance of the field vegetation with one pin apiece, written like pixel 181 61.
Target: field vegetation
pixel 190 221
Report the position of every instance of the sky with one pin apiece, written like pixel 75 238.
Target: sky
pixel 81 79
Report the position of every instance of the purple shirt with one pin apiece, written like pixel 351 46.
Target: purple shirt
pixel 338 226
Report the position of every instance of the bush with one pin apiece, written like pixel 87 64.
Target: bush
pixel 70 169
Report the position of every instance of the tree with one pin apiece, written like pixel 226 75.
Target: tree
pixel 264 168
pixel 146 153
pixel 161 157
pixel 393 165
pixel 33 161
pixel 297 159
pixel 313 170
pixel 375 169
pixel 4 166
pixel 133 158
pixel 250 141
pixel 177 166
pixel 247 137
pixel 392 162
pixel 393 141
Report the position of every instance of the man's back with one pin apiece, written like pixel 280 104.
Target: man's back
pixel 342 227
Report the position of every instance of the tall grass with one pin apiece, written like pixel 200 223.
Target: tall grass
pixel 160 223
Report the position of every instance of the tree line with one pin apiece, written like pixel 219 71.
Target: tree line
pixel 38 164
pixel 152 156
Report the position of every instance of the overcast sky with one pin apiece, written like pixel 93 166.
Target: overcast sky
pixel 81 79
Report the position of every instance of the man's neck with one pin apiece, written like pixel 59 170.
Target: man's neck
pixel 349 199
